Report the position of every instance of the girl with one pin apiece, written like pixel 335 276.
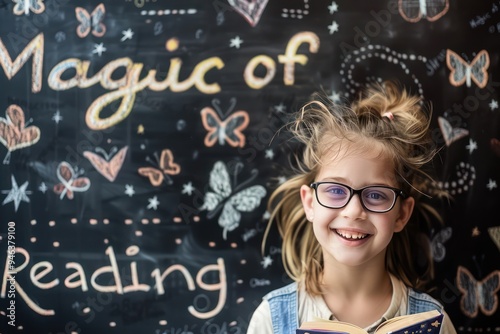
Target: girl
pixel 347 217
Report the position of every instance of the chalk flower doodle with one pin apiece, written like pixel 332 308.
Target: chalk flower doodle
pixel 228 130
pixel 167 166
pixel 414 10
pixel 70 181
pixel 90 22
pixel 465 72
pixel 25 6
pixel 107 166
pixel 478 294
pixel 14 134
pixel 251 10
pixel 231 201
pixel 451 134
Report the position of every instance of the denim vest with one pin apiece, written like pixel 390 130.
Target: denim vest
pixel 284 309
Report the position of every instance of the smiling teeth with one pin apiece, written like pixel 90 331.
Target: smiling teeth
pixel 351 235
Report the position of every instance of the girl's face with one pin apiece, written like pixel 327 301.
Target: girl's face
pixel 352 235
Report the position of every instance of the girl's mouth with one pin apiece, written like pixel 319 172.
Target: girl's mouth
pixel 351 235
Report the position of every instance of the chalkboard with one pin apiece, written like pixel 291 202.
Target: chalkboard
pixel 140 143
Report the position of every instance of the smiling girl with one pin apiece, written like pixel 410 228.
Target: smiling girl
pixel 346 216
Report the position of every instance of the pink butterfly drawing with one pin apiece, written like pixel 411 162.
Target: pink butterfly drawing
pixel 70 182
pixel 25 6
pixel 90 22
pixel 414 10
pixel 107 166
pixel 465 72
pixel 228 130
pixel 167 166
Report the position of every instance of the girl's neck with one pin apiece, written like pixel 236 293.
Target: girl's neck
pixel 359 295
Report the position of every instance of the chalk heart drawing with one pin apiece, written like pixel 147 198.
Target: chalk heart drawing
pixel 13 133
pixel 251 10
pixel 109 167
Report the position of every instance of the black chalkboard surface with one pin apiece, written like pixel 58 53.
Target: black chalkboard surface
pixel 130 130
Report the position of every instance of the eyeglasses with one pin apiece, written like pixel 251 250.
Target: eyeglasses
pixel 377 199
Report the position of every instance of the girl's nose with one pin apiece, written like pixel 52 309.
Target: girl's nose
pixel 354 209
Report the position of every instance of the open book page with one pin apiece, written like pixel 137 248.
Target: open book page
pixel 425 322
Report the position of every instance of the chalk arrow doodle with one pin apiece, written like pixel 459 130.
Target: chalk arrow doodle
pixel 250 10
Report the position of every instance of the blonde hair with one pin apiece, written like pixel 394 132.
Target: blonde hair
pixel 383 114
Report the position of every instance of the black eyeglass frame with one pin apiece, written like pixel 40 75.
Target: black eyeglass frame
pixel 397 192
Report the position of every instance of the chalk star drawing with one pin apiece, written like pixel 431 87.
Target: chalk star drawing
pixel 127 34
pixel 333 7
pixel 16 194
pixel 99 49
pixel 129 190
pixel 188 188
pixel 269 154
pixel 43 187
pixel 153 203
pixel 266 262
pixel 280 107
pixel 236 42
pixel 492 184
pixel 334 96
pixel 493 105
pixel 57 117
pixel 333 28
pixel 472 146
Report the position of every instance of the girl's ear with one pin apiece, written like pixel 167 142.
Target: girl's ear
pixel 307 197
pixel 405 211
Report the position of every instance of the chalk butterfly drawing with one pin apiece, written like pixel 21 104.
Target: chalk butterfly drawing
pixel 167 166
pixel 107 166
pixel 90 22
pixel 70 181
pixel 478 295
pixel 437 243
pixel 231 201
pixel 451 134
pixel 14 134
pixel 464 72
pixel 228 130
pixel 25 6
pixel 251 10
pixel 415 10
pixel 494 233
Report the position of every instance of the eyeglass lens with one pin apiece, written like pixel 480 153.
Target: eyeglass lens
pixel 374 198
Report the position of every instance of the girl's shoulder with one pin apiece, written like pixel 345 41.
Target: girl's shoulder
pixel 289 290
pixel 419 301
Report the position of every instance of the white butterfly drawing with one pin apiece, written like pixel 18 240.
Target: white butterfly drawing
pixel 478 294
pixel 25 6
pixel 437 243
pixel 451 134
pixel 231 201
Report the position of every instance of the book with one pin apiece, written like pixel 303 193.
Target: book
pixel 419 323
